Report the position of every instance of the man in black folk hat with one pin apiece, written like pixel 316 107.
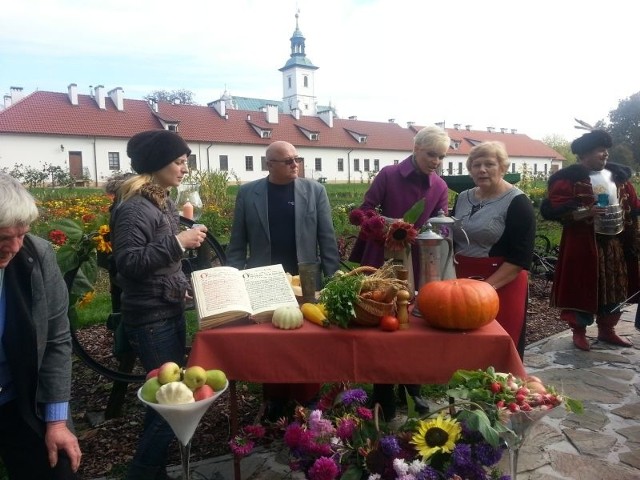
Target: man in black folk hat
pixel 597 267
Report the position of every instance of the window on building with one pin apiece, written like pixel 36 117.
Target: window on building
pixel 513 168
pixel 366 164
pixel 459 168
pixel 376 165
pixel 341 164
pixel 395 162
pixel 248 163
pixel 545 169
pixel 114 160
pixel 356 164
pixel 289 81
pixel 306 81
pixel 263 163
pixel 191 162
pixel 318 164
pixel 535 168
pixel 224 163
pixel 450 168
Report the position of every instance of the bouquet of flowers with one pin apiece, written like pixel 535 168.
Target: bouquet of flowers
pixel 395 235
pixel 342 437
pixel 346 441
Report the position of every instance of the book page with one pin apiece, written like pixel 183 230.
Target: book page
pixel 268 288
pixel 218 290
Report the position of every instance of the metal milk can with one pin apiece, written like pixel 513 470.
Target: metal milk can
pixel 444 226
pixel 430 246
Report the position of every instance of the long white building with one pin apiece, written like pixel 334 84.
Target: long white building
pixel 87 133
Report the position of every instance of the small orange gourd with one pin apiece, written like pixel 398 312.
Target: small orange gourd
pixel 458 304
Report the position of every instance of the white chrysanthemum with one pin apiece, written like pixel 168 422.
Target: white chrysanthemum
pixel 374 476
pixel 400 466
pixel 416 466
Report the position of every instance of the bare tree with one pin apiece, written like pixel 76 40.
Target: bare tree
pixel 182 96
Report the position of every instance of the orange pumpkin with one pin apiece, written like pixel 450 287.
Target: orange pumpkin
pixel 458 304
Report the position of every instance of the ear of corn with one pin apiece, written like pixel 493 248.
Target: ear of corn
pixel 313 314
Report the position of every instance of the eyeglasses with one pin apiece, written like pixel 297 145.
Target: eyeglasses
pixel 289 161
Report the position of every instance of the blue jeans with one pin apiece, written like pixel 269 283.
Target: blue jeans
pixel 154 344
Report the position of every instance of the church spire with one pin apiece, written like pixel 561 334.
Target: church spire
pixel 297 77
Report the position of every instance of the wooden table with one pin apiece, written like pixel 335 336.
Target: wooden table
pixel 419 354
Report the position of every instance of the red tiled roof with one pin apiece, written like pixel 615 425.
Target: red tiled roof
pixel 51 113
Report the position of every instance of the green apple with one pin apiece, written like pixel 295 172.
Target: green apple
pixel 216 379
pixel 194 377
pixel 168 372
pixel 149 390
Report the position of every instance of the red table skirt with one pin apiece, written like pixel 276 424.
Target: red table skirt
pixel 419 354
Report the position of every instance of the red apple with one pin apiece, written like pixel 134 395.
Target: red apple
pixel 205 391
pixel 152 373
pixel 168 372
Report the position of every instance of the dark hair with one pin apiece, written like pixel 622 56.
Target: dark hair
pixel 590 141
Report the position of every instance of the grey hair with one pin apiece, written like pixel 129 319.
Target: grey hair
pixel 432 137
pixel 17 208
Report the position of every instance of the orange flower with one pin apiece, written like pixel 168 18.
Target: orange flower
pixel 400 235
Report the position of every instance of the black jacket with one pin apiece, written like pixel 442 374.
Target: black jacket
pixel 147 258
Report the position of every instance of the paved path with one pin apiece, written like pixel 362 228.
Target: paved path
pixel 601 444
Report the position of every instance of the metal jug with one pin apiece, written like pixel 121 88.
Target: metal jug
pixel 444 226
pixel 430 245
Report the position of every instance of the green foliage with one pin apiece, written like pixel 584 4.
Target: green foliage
pixel 562 146
pixel 339 296
pixel 625 130
pixel 413 214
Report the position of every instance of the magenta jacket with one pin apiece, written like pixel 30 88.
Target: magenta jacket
pixel 395 189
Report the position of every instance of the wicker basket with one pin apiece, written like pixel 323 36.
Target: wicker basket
pixel 369 312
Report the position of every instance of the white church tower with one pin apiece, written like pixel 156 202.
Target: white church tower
pixel 298 90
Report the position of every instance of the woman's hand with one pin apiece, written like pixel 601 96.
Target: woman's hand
pixel 192 238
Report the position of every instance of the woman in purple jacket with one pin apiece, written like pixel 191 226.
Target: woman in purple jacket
pixel 395 189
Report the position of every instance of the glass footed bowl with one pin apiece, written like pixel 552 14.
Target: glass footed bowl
pixel 519 423
pixel 185 417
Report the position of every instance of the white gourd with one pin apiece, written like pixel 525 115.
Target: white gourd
pixel 174 393
pixel 287 318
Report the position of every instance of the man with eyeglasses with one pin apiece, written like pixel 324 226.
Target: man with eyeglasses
pixel 283 219
pixel 394 190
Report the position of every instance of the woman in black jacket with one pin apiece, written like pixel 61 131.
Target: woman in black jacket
pixel 147 250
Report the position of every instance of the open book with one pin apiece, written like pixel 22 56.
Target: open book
pixel 226 294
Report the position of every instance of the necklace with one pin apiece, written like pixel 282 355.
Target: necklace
pixel 475 207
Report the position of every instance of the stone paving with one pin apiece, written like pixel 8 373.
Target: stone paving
pixel 601 444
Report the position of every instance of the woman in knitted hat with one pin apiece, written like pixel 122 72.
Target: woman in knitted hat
pixel 147 250
pixel 597 268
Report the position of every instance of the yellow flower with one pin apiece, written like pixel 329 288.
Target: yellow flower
pixel 87 299
pixel 435 436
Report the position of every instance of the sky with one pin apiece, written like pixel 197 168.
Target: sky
pixel 532 66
